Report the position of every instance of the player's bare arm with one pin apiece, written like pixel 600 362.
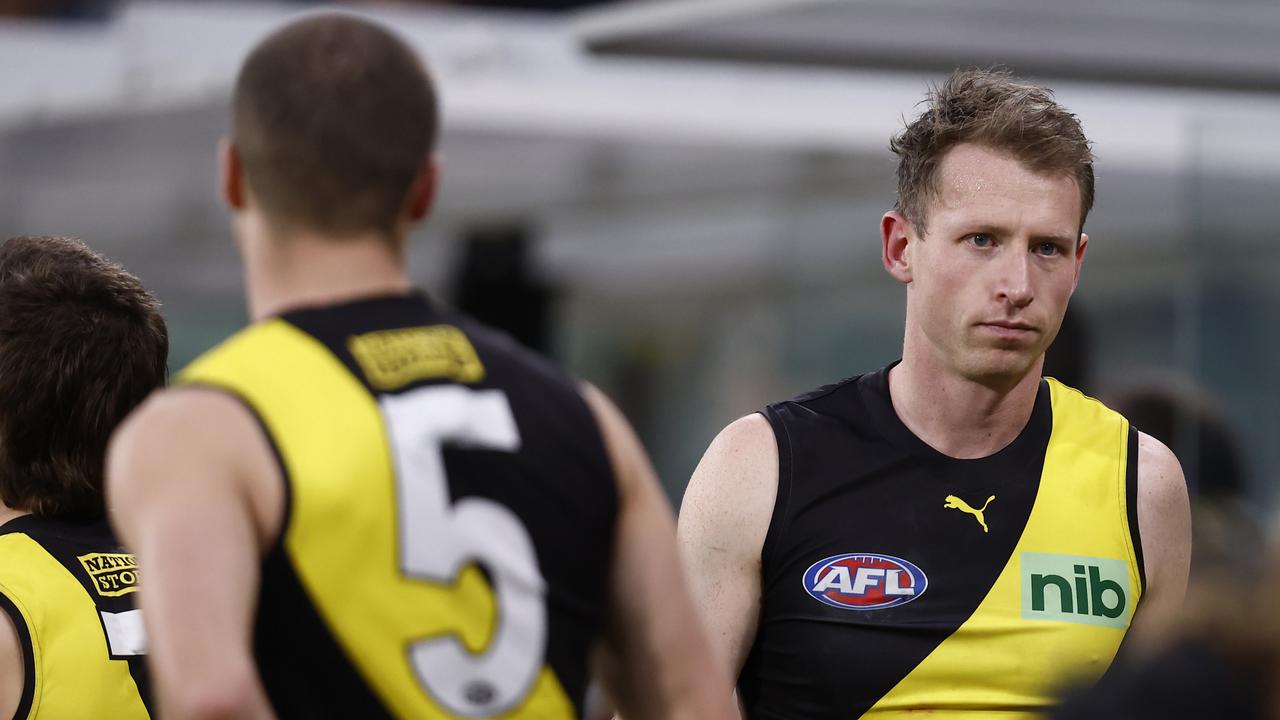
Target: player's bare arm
pixel 11 672
pixel 194 491
pixel 723 522
pixel 1164 521
pixel 655 660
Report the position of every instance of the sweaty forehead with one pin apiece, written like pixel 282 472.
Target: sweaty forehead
pixel 974 177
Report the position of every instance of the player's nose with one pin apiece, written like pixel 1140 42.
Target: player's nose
pixel 1013 279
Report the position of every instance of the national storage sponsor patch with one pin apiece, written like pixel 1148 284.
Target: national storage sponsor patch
pixel 113 574
pixel 392 359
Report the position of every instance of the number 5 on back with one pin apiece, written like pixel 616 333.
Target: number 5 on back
pixel 437 540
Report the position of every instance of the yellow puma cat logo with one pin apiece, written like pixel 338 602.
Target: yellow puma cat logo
pixel 962 506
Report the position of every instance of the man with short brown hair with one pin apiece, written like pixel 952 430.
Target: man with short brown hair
pixel 364 504
pixel 81 344
pixel 952 534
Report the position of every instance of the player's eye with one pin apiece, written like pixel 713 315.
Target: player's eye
pixel 1047 249
pixel 982 240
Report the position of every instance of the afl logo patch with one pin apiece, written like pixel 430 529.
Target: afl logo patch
pixel 864 581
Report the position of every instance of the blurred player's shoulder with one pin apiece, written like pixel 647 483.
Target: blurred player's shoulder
pixel 194 428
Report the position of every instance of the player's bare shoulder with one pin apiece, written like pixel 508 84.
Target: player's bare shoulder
pixel 176 422
pixel 190 434
pixel 731 495
pixel 1160 474
pixel 1164 506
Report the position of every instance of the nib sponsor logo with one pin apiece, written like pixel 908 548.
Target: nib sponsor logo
pixel 864 581
pixel 1075 589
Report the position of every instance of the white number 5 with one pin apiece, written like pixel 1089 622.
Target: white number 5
pixel 438 540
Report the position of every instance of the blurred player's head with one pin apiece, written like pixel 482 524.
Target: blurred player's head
pixel 992 109
pixel 333 128
pixel 81 344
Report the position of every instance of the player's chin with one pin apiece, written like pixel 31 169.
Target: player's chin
pixel 1002 363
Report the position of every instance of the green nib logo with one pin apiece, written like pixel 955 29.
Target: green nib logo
pixel 1075 589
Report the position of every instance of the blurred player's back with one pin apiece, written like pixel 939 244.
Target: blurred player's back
pixel 437 474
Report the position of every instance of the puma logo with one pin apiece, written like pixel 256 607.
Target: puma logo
pixel 958 504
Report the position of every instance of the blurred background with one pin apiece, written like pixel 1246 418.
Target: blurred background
pixel 680 200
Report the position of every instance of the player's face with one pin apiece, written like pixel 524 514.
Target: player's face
pixel 999 260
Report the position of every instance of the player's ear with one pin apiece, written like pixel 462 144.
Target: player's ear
pixel 422 194
pixel 230 175
pixel 895 232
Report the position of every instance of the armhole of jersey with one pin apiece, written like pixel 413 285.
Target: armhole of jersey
pixel 28 658
pixel 287 505
pixel 1131 505
pixel 777 519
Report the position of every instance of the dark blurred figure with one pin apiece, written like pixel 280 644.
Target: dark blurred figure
pixel 1188 419
pixel 495 284
pixel 1068 358
pixel 1197 679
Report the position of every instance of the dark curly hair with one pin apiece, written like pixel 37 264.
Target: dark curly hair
pixel 82 343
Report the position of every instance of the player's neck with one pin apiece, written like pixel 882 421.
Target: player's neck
pixel 7 513
pixel 303 270
pixel 960 417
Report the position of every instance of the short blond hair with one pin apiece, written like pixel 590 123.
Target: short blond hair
pixel 991 108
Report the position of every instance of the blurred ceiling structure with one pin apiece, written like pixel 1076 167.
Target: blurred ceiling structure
pixel 685 164
pixel 1204 44
pixel 527 73
pixel 638 169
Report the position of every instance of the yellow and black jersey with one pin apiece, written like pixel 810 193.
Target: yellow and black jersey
pixel 899 581
pixel 450 515
pixel 69 590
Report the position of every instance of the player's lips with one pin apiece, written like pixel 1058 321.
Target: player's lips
pixel 1010 330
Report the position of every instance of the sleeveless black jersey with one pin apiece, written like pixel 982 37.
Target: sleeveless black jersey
pixel 898 581
pixel 69 590
pixel 450 516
